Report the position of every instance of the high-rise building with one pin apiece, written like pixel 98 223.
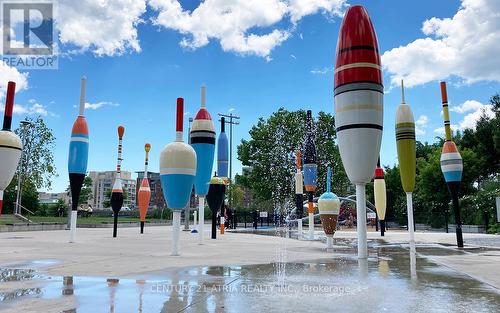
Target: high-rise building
pixel 157 200
pixel 102 183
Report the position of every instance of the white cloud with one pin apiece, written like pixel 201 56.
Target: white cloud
pixel 324 70
pixel 476 109
pixel 98 105
pixel 421 124
pixel 241 26
pixel 300 8
pixel 469 105
pixel 464 46
pixel 11 74
pixel 470 120
pixel 102 27
pixel 32 108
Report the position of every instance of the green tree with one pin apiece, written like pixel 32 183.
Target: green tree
pixel 236 193
pixel 36 167
pixel 37 163
pixel 86 192
pixel 270 152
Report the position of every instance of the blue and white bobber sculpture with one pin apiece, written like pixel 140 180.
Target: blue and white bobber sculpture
pixel 177 173
pixel 203 142
pixel 77 159
pixel 329 207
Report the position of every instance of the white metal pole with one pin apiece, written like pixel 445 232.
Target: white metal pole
pixel 72 228
pixel 329 243
pixel 176 229
pixel 201 209
pixel 413 265
pixel 311 226
pixel 361 221
pixel 195 216
pixel 299 227
pixel 409 206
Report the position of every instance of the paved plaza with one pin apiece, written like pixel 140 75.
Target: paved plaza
pixel 244 272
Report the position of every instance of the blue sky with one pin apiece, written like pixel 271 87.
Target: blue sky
pixel 135 77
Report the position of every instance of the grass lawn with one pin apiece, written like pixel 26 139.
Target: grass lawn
pixel 63 220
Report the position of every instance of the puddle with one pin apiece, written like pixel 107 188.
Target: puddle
pixel 391 280
pixel 383 283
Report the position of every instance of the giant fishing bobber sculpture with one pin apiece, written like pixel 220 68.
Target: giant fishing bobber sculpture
pixel 310 171
pixel 451 166
pixel 222 163
pixel 215 199
pixel 329 207
pixel 177 175
pixel 144 194
pixel 77 159
pixel 203 142
pixel 299 192
pixel 380 195
pixel 222 151
pixel 10 144
pixel 358 106
pixel 117 191
pixel 405 142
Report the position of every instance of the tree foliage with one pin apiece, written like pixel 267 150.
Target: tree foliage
pixel 37 162
pixel 86 192
pixel 480 150
pixel 36 166
pixel 270 153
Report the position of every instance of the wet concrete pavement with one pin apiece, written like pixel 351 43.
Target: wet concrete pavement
pixel 388 281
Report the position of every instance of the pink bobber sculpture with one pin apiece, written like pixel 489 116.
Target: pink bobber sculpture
pixel 177 174
pixel 10 144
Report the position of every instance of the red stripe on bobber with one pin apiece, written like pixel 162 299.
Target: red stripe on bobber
pixel 356 56
pixel 358 74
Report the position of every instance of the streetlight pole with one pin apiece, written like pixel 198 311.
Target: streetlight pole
pixel 22 124
pixel 231 117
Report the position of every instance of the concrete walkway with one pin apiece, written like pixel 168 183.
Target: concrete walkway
pixel 96 253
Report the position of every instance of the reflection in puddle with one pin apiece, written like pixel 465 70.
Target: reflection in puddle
pixel 339 281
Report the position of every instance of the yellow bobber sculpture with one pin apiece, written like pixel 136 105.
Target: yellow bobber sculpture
pixel 405 142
